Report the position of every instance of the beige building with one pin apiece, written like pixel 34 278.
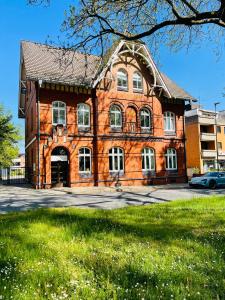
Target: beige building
pixel 205 134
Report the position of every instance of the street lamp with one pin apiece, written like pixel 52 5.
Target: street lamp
pixel 217 154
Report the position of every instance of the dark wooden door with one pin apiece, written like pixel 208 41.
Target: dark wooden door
pixel 59 173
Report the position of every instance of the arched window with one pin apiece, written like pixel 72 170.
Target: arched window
pixel 148 159
pixel 145 116
pixel 171 159
pixel 83 115
pixel 115 116
pixel 116 160
pixel 84 160
pixel 58 113
pixel 137 82
pixel 122 80
pixel 169 121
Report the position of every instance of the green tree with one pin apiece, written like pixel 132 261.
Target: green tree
pixel 94 23
pixel 9 137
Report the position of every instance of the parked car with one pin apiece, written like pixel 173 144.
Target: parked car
pixel 210 180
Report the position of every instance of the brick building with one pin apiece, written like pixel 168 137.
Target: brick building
pixel 92 121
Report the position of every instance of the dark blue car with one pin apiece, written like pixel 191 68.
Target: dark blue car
pixel 210 180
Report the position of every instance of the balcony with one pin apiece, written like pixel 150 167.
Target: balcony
pixel 208 153
pixel 205 136
pixel 131 127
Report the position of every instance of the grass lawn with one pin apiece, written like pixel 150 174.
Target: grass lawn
pixel 162 251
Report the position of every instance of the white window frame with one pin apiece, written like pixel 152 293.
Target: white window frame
pixel 146 112
pixel 115 112
pixel 122 74
pixel 170 117
pixel 84 155
pixel 139 80
pixel 150 153
pixel 85 108
pixel 171 153
pixel 115 152
pixel 58 109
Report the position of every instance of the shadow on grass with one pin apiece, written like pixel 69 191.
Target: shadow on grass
pixel 166 226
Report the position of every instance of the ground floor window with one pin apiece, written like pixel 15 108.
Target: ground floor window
pixel 148 159
pixel 171 159
pixel 116 160
pixel 84 160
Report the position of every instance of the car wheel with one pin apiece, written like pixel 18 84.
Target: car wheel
pixel 212 184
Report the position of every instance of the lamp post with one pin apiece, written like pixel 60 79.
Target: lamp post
pixel 217 154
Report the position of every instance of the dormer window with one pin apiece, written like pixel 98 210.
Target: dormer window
pixel 137 82
pixel 122 80
pixel 58 113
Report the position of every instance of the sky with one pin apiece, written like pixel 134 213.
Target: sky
pixel 198 70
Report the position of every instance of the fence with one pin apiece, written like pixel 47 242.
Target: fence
pixel 13 175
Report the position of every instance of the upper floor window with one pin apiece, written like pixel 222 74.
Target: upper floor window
pixel 145 115
pixel 169 121
pixel 148 159
pixel 84 160
pixel 122 79
pixel 83 115
pixel 137 82
pixel 171 159
pixel 58 113
pixel 218 129
pixel 116 160
pixel 115 116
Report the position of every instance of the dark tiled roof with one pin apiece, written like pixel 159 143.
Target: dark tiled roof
pixel 58 65
pixel 176 91
pixel 69 67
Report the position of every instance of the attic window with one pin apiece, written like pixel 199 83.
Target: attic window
pixel 137 82
pixel 122 80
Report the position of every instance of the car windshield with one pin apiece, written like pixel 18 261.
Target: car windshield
pixel 211 174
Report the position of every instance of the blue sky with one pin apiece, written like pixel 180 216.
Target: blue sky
pixel 198 71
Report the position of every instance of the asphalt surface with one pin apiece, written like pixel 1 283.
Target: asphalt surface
pixel 20 198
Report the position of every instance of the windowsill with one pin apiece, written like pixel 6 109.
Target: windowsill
pixel 120 88
pixel 85 175
pixel 149 173
pixel 116 129
pixel 84 129
pixel 138 91
pixel 146 130
pixel 175 171
pixel 116 173
pixel 170 133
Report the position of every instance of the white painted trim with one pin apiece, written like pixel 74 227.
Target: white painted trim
pixel 34 139
pixel 59 158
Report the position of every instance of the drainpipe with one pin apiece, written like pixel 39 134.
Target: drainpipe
pixel 38 131
pixel 185 152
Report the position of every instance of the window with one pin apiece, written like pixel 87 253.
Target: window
pixel 137 82
pixel 169 121
pixel 171 159
pixel 218 129
pixel 145 119
pixel 122 81
pixel 116 160
pixel 84 160
pixel 115 116
pixel 58 113
pixel 219 146
pixel 83 115
pixel 148 159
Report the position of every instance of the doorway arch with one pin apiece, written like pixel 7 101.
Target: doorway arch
pixel 60 167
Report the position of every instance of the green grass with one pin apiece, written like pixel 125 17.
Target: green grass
pixel 168 251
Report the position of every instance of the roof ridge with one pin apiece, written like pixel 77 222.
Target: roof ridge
pixel 58 48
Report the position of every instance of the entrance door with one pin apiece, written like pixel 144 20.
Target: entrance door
pixel 59 167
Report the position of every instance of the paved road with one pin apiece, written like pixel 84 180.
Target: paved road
pixel 19 198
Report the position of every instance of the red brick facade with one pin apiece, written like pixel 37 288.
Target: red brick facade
pixel 100 137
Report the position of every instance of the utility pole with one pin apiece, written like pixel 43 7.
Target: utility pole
pixel 217 153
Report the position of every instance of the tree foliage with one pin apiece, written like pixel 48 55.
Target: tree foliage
pixel 94 23
pixel 9 137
